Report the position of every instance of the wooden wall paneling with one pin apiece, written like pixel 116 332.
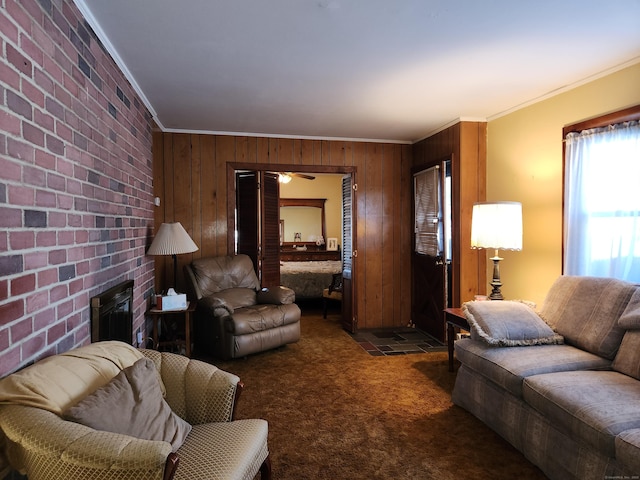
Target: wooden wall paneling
pixel 336 153
pixel 225 152
pixel 262 150
pixel 285 151
pixel 382 179
pixel 182 212
pixel 374 240
pixel 163 263
pixel 408 239
pixel 208 199
pixel 158 191
pixel 195 224
pixel 389 254
pixel 473 189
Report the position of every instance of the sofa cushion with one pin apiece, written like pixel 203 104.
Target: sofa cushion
pixel 507 367
pixel 237 297
pixel 628 449
pixel 627 359
pixel 214 274
pixel 131 404
pixel 585 311
pixel 258 318
pixel 508 324
pixel 222 450
pixel 591 406
pixel 630 318
pixel 59 381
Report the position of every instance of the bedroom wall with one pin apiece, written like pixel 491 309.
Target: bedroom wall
pixel 525 165
pixel 75 181
pixel 324 186
pixel 190 174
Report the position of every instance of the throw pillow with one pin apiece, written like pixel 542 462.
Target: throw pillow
pixel 630 318
pixel 627 359
pixel 508 324
pixel 132 404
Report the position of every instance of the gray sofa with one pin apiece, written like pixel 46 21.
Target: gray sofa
pixel 562 385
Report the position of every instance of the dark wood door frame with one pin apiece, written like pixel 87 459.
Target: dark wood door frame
pixel 232 167
pixel 424 270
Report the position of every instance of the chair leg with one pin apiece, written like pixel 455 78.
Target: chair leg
pixel 265 469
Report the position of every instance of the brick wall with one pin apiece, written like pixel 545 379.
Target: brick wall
pixel 76 205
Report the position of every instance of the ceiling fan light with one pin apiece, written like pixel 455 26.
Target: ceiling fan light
pixel 284 178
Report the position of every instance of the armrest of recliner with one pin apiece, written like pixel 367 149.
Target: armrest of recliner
pixel 70 450
pixel 276 296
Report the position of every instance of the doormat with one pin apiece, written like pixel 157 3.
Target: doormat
pixel 397 341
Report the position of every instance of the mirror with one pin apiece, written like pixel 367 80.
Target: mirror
pixel 302 221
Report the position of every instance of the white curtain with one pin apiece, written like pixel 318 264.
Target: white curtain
pixel 602 202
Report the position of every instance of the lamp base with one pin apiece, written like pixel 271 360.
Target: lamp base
pixel 496 294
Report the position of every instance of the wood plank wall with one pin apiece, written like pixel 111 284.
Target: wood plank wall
pixel 466 144
pixel 190 178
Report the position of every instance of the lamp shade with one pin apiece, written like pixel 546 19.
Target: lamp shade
pixel 497 225
pixel 172 239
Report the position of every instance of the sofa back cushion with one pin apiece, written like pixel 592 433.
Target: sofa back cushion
pixel 630 318
pixel 585 311
pixel 627 360
pixel 60 381
pixel 238 297
pixel 214 274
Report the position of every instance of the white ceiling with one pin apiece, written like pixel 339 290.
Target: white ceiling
pixel 390 70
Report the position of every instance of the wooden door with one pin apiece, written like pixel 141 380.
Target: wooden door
pixel 257 223
pixel 349 254
pixel 247 214
pixel 269 254
pixel 429 259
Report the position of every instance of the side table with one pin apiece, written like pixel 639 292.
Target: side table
pixel 454 317
pixel 157 315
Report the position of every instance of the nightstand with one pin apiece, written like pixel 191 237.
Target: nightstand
pixel 454 317
pixel 157 315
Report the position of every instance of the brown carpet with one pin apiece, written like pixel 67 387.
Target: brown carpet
pixel 336 412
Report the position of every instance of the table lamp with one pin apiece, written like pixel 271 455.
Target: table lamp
pixel 497 225
pixel 172 239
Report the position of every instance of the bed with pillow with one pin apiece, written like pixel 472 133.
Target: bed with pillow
pixel 561 384
pixel 308 279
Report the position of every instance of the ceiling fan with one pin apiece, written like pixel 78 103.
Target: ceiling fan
pixel 285 177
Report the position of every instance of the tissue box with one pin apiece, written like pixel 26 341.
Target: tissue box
pixel 171 302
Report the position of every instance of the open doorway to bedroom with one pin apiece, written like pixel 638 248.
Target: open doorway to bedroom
pixel 313 229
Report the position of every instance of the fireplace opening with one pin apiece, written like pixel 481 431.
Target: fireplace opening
pixel 112 314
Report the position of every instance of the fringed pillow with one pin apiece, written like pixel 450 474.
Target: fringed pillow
pixel 508 324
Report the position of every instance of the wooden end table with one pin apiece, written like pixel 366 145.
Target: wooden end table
pixel 157 315
pixel 454 317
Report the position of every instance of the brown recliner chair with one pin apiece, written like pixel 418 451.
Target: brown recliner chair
pixel 235 317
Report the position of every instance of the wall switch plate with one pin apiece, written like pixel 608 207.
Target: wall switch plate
pixel 139 338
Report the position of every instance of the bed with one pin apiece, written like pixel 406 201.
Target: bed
pixel 308 279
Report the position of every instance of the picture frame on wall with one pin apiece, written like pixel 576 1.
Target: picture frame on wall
pixel 332 244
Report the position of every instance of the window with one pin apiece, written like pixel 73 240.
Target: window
pixel 602 199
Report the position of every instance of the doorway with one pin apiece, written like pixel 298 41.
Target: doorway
pixel 257 223
pixel 432 247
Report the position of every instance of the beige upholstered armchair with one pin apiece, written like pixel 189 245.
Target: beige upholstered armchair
pixel 36 438
pixel 235 317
